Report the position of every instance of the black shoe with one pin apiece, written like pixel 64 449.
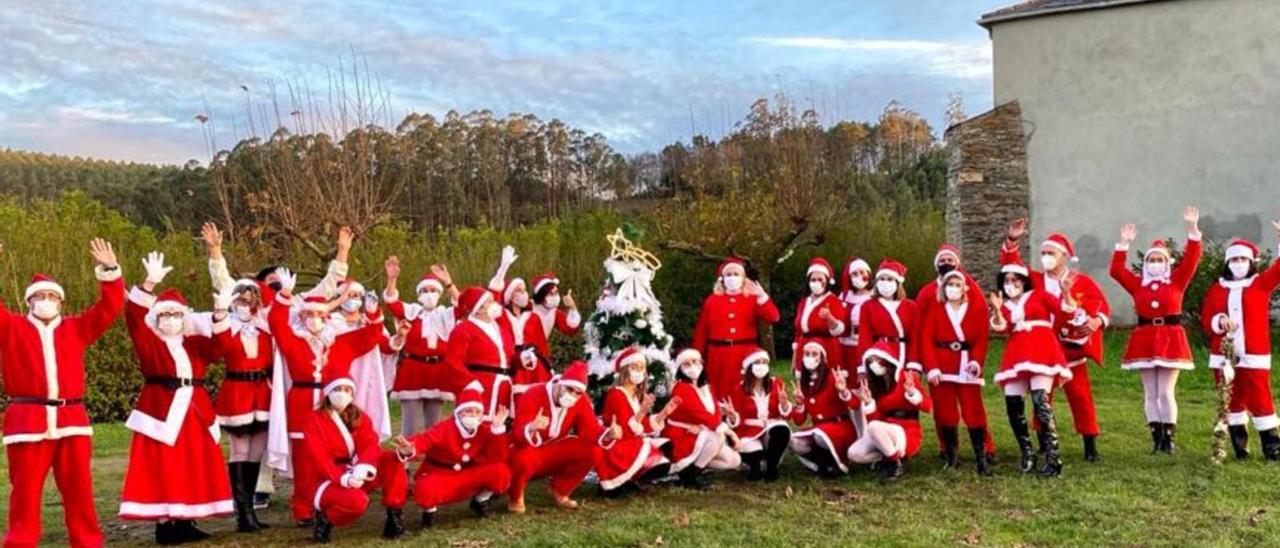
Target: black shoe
pixel 305 523
pixel 893 470
pixel 655 474
pixel 261 501
pixel 479 508
pixel 322 531
pixel 1091 449
pixel 978 439
pixel 165 534
pixel 428 519
pixel 1015 407
pixel 950 441
pixel 691 478
pixel 178 531
pixel 754 462
pixel 395 523
pixel 1052 466
pixel 1270 443
pixel 1170 429
pixel 1240 440
pixel 1157 436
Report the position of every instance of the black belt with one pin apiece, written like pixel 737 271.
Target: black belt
pixel 249 376
pixel 345 460
pixel 890 339
pixel 308 384
pixel 491 369
pixel 421 358
pixel 902 415
pixel 174 383
pixel 735 342
pixel 46 401
pixel 953 345
pixel 1162 320
pixel 1072 345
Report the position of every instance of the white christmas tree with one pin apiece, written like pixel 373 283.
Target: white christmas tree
pixel 627 314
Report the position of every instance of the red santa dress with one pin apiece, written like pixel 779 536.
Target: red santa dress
pixel 1159 340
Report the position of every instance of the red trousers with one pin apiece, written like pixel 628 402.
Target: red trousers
pixel 304 479
pixel 724 367
pixel 437 487
pixel 1251 395
pixel 566 461
pixel 29 464
pixel 1079 392
pixel 953 402
pixel 344 505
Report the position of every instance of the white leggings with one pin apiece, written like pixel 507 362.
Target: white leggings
pixel 248 448
pixel 882 440
pixel 716 454
pixel 1158 384
pixel 1021 387
pixel 418 415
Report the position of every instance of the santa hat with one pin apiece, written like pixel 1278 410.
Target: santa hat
pixel 170 300
pixel 946 249
pixel 753 356
pixel 957 273
pixel 628 355
pixel 467 399
pixel 731 262
pixel 350 284
pixel 818 264
pixel 1060 242
pixel 892 268
pixel 1159 246
pixel 545 280
pixel 575 375
pixel 315 303
pixel 885 353
pixel 686 355
pixel 1242 248
pixel 469 302
pixel 510 289
pixel 40 282
pixel 335 380
pixel 855 264
pixel 247 284
pixel 429 280
pixel 1015 268
pixel 815 345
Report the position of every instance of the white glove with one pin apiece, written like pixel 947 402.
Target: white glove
pixel 914 396
pixel 370 302
pixel 508 256
pixel 934 376
pixel 350 481
pixel 288 280
pixel 1228 373
pixel 528 357
pixel 156 270
pixel 222 300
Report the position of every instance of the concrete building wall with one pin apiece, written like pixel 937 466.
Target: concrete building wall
pixel 1133 112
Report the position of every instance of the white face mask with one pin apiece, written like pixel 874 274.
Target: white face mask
pixel 1239 269
pixel 1012 290
pixel 521 300
pixel 340 399
pixel 817 287
pixel 876 368
pixel 886 288
pixel 351 305
pixel 692 371
pixel 811 362
pixel 733 282
pixel 953 293
pixel 470 422
pixel 493 311
pixel 315 324
pixel 429 299
pixel 169 325
pixel 859 281
pixel 1157 270
pixel 760 370
pixel 636 377
pixel 45 309
pixel 1048 262
pixel 243 312
pixel 552 301
pixel 567 400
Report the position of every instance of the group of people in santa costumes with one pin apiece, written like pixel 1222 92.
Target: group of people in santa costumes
pixel 867 361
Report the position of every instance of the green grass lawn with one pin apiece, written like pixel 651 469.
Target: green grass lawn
pixel 1130 498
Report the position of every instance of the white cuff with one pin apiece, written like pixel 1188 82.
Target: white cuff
pixel 1217 324
pixel 141 297
pixel 365 471
pixel 1122 247
pixel 868 407
pixel 836 328
pixel 573 318
pixel 763 298
pixel 915 366
pixel 1194 236
pixel 390 296
pixel 103 275
pixel 916 400
pixel 497 429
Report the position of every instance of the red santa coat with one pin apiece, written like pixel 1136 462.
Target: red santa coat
pixel 1032 348
pixel 556 319
pixel 337 452
pixel 485 351
pixel 457 465
pixel 423 372
pixel 46 363
pixel 577 421
pixel 639 448
pixel 827 412
pixel 928 300
pixel 951 338
pixel 1088 297
pixel 757 413
pixel 173 424
pixel 697 411
pixel 1159 340
pixel 1248 303
pixel 527 334
pixel 894 407
pixel 849 340
pixel 890 321
pixel 726 332
pixel 565 451
pixel 244 399
pixel 809 325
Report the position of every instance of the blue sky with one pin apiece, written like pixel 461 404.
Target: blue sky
pixel 124 80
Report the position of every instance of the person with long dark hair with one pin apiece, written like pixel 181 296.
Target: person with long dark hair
pixel 823 402
pixel 760 412
pixel 700 438
pixel 819 315
pixel 855 290
pixel 891 400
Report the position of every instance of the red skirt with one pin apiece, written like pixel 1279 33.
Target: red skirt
pixel 186 481
pixel 419 380
pixel 913 432
pixel 1031 353
pixel 1158 346
pixel 627 459
pixel 243 406
pixel 836 435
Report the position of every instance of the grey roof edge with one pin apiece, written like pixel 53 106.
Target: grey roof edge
pixel 992 18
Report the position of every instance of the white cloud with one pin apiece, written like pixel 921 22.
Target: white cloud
pixel 122 117
pixel 955 59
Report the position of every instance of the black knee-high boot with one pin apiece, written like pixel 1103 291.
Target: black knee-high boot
pixel 1170 429
pixel 950 442
pixel 978 439
pixel 1270 443
pixel 1048 434
pixel 1240 440
pixel 754 461
pixel 778 438
pixel 691 478
pixel 654 474
pixel 1157 436
pixel 243 493
pixel 1015 407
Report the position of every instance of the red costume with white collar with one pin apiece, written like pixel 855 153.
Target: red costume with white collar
pixel 890 321
pixel 244 399
pixel 639 449
pixel 1246 302
pixel 898 406
pixel 757 412
pixel 828 410
pixel 567 449
pixel 422 372
pixel 951 340
pixel 457 464
pixel 726 330
pixel 529 341
pixel 45 424
pixel 1159 340
pixel 553 318
pixel 173 420
pixel 1032 348
pixel 484 349
pixel 809 324
pixel 853 302
pixel 697 412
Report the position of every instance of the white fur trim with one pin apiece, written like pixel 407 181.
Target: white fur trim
pixel 428 282
pixel 176 510
pixel 545 282
pixel 858 265
pixel 44 286
pixel 1152 363
pixel 243 418
pixel 873 352
pixel 52 434
pixel 1247 361
pixel 424 394
pixel 511 287
pixel 1055 245
pixel 890 273
pixel 1266 423
pixel 467 405
pixel 164 431
pixel 336 383
pixel 103 275
pixel 752 357
pixel 819 268
pixel 818 433
pixel 1014 268
pixel 1237 251
pixel 320 489
pixel 687 354
pixel 1054 370
pixel 942 252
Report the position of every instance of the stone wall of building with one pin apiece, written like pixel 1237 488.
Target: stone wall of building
pixel 987 186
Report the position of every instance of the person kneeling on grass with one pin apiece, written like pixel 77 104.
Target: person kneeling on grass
pixel 824 400
pixel 760 410
pixel 556 435
pixel 699 438
pixel 343 448
pixel 636 458
pixel 891 402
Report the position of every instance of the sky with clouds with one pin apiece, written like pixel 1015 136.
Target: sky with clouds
pixel 125 80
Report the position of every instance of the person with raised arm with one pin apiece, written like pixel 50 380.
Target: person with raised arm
pixel 557 312
pixel 1158 347
pixel 423 380
pixel 636 458
pixel 371 369
pixel 46 426
pixel 728 324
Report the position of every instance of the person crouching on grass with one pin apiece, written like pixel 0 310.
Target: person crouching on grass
pixel 700 439
pixel 891 401
pixel 636 458
pixel 823 400
pixel 343 448
pixel 760 410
